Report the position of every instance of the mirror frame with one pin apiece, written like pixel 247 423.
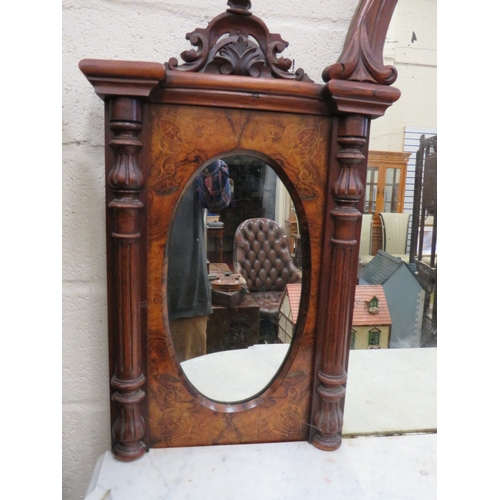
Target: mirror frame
pixel 316 136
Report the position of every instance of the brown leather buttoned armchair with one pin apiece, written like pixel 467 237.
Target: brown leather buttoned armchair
pixel 261 255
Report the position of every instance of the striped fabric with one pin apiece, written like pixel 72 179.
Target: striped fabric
pixel 212 186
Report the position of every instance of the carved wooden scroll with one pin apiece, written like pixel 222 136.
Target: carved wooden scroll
pixel 237 43
pixel 362 56
pixel 234 94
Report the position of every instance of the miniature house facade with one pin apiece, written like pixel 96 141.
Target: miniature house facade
pixel 371 322
pixel 404 295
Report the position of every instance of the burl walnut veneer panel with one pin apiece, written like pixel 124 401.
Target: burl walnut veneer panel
pixel 183 139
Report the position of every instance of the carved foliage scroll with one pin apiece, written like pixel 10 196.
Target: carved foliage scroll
pixel 362 57
pixel 237 43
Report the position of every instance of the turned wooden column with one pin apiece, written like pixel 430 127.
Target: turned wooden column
pixel 337 297
pixel 357 84
pixel 125 85
pixel 126 180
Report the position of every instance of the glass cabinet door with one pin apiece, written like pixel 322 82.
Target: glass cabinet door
pixel 371 190
pixel 391 190
pixel 385 188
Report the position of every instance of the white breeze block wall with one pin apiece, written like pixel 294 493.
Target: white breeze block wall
pixel 148 30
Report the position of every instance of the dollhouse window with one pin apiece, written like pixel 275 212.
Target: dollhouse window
pixel 353 338
pixel 374 338
pixel 373 305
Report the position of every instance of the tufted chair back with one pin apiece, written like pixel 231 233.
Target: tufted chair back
pixel 262 256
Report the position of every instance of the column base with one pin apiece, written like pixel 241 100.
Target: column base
pixel 129 453
pixel 327 443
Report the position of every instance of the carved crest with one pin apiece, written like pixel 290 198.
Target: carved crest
pixel 362 57
pixel 237 43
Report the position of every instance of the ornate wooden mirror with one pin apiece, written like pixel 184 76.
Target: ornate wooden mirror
pixel 234 97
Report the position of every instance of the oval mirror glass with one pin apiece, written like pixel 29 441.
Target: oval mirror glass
pixel 233 278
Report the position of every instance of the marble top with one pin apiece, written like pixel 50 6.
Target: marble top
pixel 389 391
pixel 375 468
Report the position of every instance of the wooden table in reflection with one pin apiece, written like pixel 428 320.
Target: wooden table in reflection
pixel 218 268
pixel 218 234
pixel 231 328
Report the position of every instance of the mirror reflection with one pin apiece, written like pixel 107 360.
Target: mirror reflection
pixel 396 295
pixel 234 277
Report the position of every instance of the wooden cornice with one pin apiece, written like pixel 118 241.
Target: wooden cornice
pixel 357 83
pixel 272 94
pixel 241 83
pixel 122 78
pixel 367 99
pixel 388 157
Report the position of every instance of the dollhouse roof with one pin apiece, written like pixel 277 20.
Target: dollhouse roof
pixel 380 268
pixel 361 316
